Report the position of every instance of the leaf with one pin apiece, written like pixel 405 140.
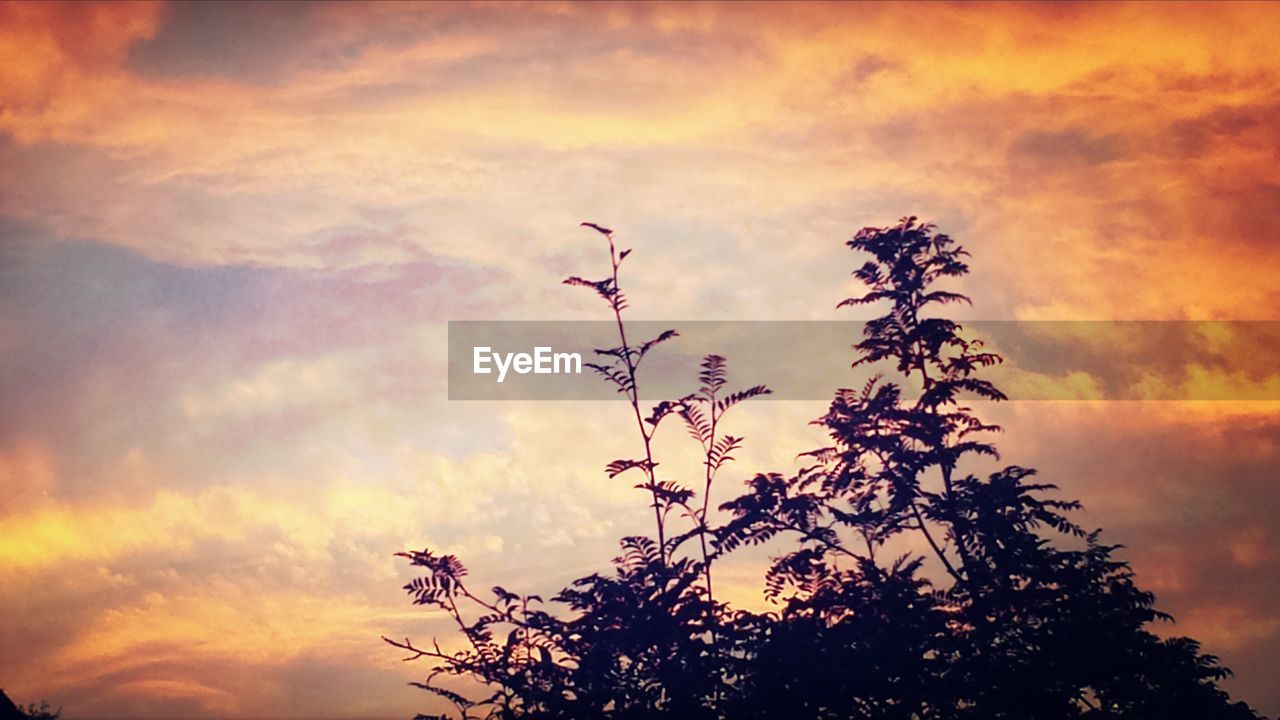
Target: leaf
pixel 696 422
pixel 712 375
pixel 617 467
pixel 734 398
pixel 605 288
pixel 620 378
pixel 663 409
pixel 662 337
pixel 602 230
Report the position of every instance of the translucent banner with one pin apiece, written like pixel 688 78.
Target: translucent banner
pixel 808 360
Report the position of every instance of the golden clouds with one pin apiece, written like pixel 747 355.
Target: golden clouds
pixel 27 475
pixel 43 43
pixel 62 63
pixel 1100 160
pixel 1129 143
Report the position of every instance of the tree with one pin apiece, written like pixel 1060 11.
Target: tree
pixel 1014 612
pixel 11 711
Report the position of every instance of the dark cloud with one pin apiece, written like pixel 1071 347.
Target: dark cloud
pixel 258 42
pixel 1074 146
pixel 1193 499
pixel 869 66
pixel 1193 137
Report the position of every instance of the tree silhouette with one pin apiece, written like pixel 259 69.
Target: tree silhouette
pixel 1014 611
pixel 11 711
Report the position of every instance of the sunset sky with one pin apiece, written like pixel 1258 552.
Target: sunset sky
pixel 231 236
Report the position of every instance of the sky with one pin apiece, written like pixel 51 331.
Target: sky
pixel 231 236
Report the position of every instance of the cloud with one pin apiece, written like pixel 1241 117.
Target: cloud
pixel 436 161
pixel 26 474
pixel 230 237
pixel 1188 489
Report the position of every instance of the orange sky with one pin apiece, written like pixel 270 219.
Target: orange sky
pixel 230 236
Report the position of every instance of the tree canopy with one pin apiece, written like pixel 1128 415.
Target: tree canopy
pixel 1014 611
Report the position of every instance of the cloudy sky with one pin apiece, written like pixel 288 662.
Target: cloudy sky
pixel 231 236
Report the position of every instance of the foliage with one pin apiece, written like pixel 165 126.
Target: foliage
pixel 43 712
pixel 1014 611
